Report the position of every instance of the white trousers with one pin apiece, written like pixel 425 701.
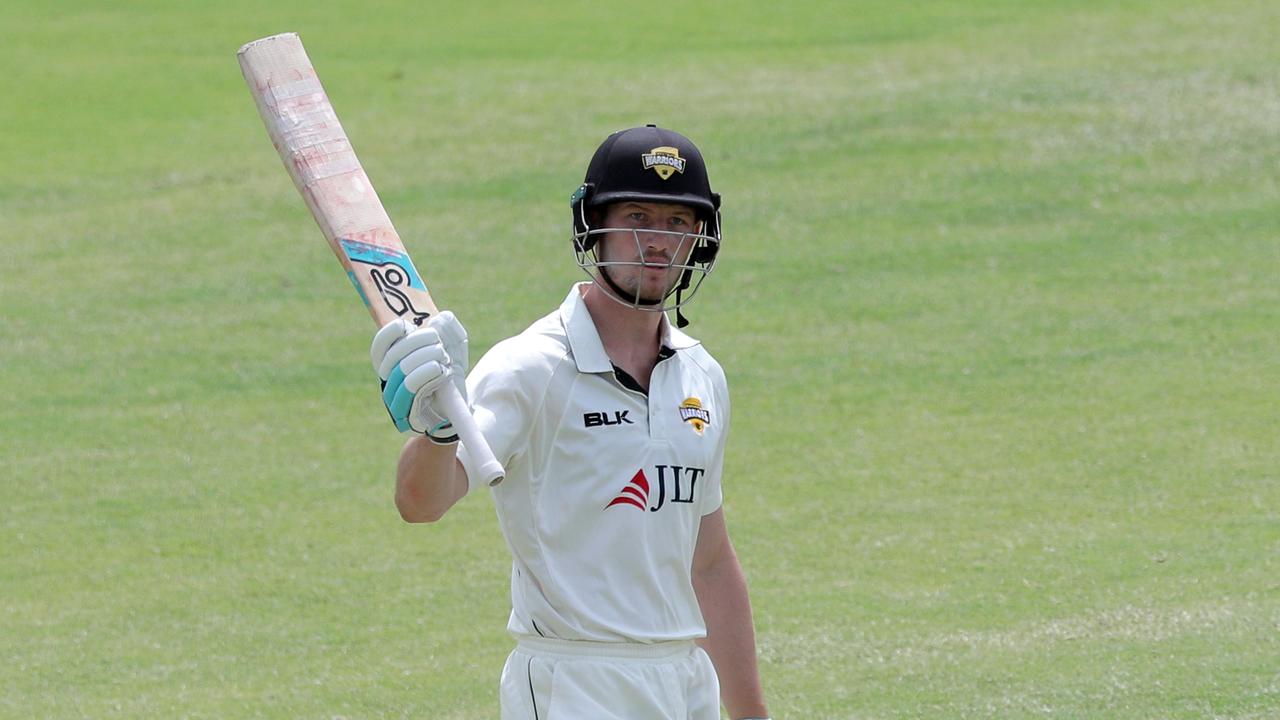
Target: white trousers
pixel 548 679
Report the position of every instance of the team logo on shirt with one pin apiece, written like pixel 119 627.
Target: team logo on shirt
pixel 665 161
pixel 682 480
pixel 692 412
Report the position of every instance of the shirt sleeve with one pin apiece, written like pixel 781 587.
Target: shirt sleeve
pixel 712 495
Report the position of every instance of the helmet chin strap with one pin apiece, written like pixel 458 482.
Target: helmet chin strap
pixel 681 321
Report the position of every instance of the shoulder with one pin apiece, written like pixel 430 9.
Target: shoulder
pixel 698 357
pixel 530 356
pixel 693 354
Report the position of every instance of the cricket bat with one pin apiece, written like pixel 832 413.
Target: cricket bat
pixel 316 152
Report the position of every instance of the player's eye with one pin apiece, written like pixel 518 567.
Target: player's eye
pixel 637 217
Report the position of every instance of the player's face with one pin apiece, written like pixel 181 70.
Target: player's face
pixel 654 257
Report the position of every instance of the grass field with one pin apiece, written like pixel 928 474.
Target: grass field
pixel 998 303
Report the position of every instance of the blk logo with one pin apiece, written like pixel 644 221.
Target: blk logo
pixel 683 482
pixel 596 419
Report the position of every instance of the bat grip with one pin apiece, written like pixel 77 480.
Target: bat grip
pixel 455 408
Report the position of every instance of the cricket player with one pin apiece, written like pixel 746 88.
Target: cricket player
pixel 627 598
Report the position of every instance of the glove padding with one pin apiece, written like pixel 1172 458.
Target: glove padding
pixel 413 363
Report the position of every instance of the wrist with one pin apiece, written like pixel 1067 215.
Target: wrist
pixel 442 433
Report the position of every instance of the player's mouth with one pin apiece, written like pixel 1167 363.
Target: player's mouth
pixel 656 262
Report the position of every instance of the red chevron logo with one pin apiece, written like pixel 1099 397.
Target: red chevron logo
pixel 636 493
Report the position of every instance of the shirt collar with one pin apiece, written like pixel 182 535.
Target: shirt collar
pixel 584 339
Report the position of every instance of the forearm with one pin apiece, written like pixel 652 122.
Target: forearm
pixel 731 641
pixel 429 480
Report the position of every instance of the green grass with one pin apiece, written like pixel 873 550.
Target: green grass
pixel 997 302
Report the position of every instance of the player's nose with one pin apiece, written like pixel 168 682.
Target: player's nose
pixel 659 238
pixel 660 251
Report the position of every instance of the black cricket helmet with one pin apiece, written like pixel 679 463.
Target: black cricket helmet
pixel 647 164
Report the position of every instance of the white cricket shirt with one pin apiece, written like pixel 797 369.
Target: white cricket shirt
pixel 605 486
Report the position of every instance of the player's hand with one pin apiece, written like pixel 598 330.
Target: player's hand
pixel 413 363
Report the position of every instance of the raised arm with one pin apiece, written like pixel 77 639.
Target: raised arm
pixel 414 364
pixel 429 480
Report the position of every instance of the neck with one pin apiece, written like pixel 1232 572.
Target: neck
pixel 630 337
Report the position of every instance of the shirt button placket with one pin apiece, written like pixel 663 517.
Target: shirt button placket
pixel 656 385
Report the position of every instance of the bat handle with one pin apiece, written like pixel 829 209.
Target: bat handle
pixel 491 472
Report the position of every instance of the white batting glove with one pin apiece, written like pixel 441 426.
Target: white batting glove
pixel 413 363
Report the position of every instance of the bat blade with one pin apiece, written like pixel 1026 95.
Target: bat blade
pixel 315 150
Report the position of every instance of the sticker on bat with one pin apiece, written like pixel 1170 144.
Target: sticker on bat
pixel 359 290
pixel 392 274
